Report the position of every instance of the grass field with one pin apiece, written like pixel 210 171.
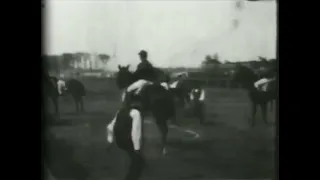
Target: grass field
pixel 227 147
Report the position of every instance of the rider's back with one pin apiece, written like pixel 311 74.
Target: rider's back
pixel 145 71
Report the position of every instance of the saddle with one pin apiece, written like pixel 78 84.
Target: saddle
pixel 132 95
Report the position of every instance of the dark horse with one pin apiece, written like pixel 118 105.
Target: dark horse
pixel 247 77
pixel 154 98
pixel 77 91
pixel 50 90
pixel 74 87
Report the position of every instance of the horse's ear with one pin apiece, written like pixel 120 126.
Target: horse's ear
pixel 262 58
pixel 119 67
pixel 128 66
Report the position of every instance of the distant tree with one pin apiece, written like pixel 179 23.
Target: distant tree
pixel 216 58
pixel 211 61
pixel 211 64
pixel 104 57
pixel 78 56
pixel 226 62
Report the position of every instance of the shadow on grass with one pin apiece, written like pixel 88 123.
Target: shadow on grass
pixel 61 160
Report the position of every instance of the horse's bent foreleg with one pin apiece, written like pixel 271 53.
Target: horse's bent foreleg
pixel 81 104
pixel 76 103
pixel 253 113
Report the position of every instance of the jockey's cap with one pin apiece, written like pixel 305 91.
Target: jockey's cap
pixel 143 53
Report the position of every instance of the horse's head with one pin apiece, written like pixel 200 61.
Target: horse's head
pixel 124 77
pixel 244 76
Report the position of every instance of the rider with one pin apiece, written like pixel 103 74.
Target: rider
pixel 146 75
pixel 145 68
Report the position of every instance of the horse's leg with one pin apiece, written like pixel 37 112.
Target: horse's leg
pixel 174 113
pixel 56 105
pixel 76 102
pixel 253 113
pixel 200 112
pixel 163 127
pixel 264 112
pixel 187 100
pixel 174 117
pixel 81 104
pixel 271 105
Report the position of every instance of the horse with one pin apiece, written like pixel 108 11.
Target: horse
pixel 74 87
pixel 154 98
pixel 77 91
pixel 50 91
pixel 247 77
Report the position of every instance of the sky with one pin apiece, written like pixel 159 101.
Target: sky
pixel 175 33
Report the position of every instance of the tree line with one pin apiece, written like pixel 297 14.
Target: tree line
pixel 213 65
pixel 66 61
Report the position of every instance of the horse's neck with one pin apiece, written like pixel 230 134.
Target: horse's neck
pixel 132 80
pixel 248 85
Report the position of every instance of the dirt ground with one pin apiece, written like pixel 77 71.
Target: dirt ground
pixel 226 146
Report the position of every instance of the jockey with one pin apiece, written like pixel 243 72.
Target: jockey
pixel 146 72
pixel 145 69
pixel 126 127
